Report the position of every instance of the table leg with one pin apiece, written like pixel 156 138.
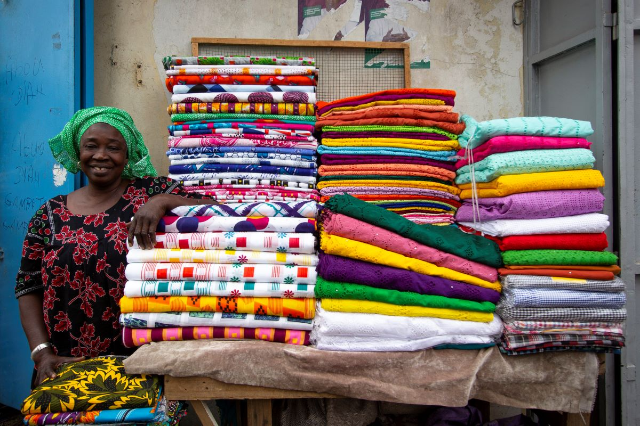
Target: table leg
pixel 259 412
pixel 203 413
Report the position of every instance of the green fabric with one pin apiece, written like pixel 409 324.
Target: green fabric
pixel 200 116
pixel 447 238
pixel 558 257
pixel 374 128
pixel 336 290
pixel 385 177
pixel 65 147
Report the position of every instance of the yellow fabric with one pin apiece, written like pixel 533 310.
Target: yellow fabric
pixel 370 307
pixel 378 103
pixel 418 144
pixel 339 246
pixel 529 182
pixel 386 183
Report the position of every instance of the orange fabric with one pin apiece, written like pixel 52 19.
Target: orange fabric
pixel 614 269
pixel 437 92
pixel 564 273
pixel 456 128
pixel 422 108
pixel 450 117
pixel 386 169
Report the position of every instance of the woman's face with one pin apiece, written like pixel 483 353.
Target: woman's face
pixel 103 154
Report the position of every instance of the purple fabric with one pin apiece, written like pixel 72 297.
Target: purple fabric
pixel 335 190
pixel 406 135
pixel 342 269
pixel 337 160
pixel 448 100
pixel 535 205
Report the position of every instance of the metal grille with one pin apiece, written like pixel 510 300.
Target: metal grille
pixel 343 72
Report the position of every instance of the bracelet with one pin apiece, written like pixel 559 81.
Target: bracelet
pixel 40 347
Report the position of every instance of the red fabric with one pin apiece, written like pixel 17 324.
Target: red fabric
pixel 565 273
pixel 590 242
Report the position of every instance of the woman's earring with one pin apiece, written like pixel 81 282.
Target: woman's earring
pixel 78 165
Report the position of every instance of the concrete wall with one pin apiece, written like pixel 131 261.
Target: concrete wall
pixel 472 45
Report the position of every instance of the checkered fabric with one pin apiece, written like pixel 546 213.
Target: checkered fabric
pixel 559 283
pixel 548 298
pixel 509 313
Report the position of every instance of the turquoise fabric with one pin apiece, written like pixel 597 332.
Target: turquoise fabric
pixel 434 155
pixel 533 161
pixel 477 133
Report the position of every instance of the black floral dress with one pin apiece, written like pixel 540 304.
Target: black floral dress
pixel 78 262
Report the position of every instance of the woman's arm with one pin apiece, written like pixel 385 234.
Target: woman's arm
pixel 144 223
pixel 32 318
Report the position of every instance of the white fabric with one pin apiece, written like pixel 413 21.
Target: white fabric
pixel 217 288
pixel 219 256
pixel 392 345
pixel 592 223
pixel 211 319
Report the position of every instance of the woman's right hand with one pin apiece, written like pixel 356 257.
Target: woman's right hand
pixel 47 362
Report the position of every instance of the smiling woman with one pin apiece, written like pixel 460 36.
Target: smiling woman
pixel 74 255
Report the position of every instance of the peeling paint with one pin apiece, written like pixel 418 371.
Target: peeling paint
pixel 59 175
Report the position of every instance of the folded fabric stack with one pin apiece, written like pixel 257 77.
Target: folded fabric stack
pixel 230 271
pixel 99 391
pixel 538 198
pixel 395 149
pixel 389 284
pixel 243 127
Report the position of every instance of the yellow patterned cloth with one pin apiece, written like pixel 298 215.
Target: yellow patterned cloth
pixel 339 246
pixel 369 307
pixel 386 183
pixel 379 103
pixel 529 182
pixel 419 144
pixel 291 308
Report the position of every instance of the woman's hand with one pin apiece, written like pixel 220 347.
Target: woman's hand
pixel 145 221
pixel 47 362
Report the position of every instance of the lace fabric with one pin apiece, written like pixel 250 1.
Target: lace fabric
pixel 341 290
pixel 592 223
pixel 558 257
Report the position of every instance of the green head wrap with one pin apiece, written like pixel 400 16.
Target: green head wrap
pixel 66 146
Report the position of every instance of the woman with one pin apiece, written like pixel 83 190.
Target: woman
pixel 74 255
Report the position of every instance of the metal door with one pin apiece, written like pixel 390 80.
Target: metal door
pixel 42 65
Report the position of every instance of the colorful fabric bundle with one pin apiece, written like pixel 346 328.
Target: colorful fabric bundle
pixel 527 183
pixel 242 106
pixel 390 144
pixel 99 391
pixel 381 267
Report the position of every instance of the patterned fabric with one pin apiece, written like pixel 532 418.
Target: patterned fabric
pixel 211 319
pixel 530 182
pixel 381 308
pixel 531 327
pixel 341 290
pixel 236 224
pixel 558 257
pixel 78 263
pixel 255 97
pixel 287 274
pixel 244 131
pixel 168 61
pixel 592 223
pixel 222 141
pixel 559 283
pixel 177 118
pixel 236 182
pixel 519 162
pixel 557 298
pixel 219 257
pixel 240 70
pixel 390 168
pixel 65 147
pixel 338 246
pixel 260 241
pixel 296 308
pixel 224 151
pixel 414 144
pixel 223 195
pixel 477 133
pixel 243 108
pixel 386 151
pixel 510 314
pixel 196 162
pixel 240 169
pixel 91 385
pixel 133 337
pixel 372 129
pixel 216 288
pixel 521 341
pixel 282 80
pixel 306 209
pixel 224 88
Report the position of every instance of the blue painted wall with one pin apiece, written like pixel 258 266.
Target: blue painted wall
pixel 46 65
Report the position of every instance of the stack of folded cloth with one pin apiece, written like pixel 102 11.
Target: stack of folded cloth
pixel 395 149
pixel 99 391
pixel 243 127
pixel 538 198
pixel 232 271
pixel 388 284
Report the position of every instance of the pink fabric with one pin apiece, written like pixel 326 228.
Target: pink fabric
pixel 353 229
pixel 501 144
pixel 195 142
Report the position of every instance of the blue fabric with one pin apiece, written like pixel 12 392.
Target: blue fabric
pixel 216 149
pixel 435 155
pixel 548 298
pixel 232 168
pixel 477 133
